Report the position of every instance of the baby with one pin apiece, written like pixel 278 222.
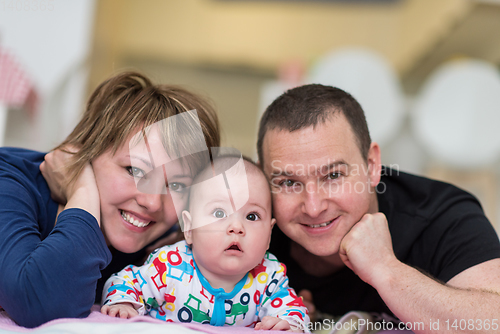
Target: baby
pixel 222 273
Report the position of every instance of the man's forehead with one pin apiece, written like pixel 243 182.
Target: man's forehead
pixel 332 139
pixel 298 152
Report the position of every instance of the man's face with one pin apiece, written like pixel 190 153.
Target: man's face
pixel 321 184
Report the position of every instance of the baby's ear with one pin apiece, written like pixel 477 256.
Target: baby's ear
pixel 186 218
pixel 273 222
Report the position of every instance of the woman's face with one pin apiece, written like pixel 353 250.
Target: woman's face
pixel 141 190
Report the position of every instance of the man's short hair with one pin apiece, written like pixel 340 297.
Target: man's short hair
pixel 309 105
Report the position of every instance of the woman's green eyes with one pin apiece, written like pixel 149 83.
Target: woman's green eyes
pixel 141 174
pixel 177 186
pixel 135 172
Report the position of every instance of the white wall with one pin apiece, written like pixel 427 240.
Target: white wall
pixel 51 39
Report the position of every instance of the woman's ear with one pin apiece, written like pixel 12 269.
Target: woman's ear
pixel 186 218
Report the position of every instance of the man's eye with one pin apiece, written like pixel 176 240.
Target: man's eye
pixel 177 187
pixel 333 176
pixel 252 216
pixel 219 214
pixel 135 172
pixel 287 183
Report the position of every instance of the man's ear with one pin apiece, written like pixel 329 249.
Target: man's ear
pixel 273 222
pixel 374 164
pixel 186 218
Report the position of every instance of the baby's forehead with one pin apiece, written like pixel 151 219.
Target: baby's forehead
pixel 236 171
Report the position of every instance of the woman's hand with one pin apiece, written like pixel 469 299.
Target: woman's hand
pixel 81 193
pixel 54 170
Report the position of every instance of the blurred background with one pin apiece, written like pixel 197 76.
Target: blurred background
pixel 425 71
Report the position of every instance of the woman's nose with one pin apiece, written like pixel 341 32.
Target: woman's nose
pixel 151 202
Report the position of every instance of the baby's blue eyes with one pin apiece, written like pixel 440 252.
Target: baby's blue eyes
pixel 219 214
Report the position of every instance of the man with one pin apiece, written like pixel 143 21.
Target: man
pixel 359 236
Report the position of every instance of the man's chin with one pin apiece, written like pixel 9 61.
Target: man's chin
pixel 322 251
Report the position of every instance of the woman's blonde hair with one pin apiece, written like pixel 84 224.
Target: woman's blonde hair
pixel 127 103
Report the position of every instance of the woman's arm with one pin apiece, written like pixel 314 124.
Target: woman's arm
pixel 42 276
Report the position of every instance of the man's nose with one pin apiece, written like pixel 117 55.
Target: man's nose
pixel 314 200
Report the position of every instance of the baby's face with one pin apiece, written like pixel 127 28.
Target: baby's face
pixel 230 230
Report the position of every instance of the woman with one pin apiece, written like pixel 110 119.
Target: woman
pixel 100 187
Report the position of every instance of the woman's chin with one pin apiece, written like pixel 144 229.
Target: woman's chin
pixel 126 246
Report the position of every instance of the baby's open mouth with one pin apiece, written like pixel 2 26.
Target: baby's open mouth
pixel 234 247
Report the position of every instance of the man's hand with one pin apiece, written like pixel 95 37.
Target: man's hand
pixel 123 310
pixel 367 248
pixel 276 324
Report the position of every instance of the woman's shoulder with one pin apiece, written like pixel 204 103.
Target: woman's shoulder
pixel 20 157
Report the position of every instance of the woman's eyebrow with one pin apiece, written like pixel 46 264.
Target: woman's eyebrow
pixel 146 162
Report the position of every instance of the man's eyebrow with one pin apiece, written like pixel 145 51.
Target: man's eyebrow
pixel 322 169
pixel 325 168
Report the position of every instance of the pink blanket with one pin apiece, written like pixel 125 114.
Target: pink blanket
pixel 97 319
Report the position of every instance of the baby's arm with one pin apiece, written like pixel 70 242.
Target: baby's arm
pixel 277 324
pixel 122 310
pixel 281 304
pixel 136 286
pixel 124 288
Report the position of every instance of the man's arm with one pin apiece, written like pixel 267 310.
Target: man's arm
pixel 469 302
